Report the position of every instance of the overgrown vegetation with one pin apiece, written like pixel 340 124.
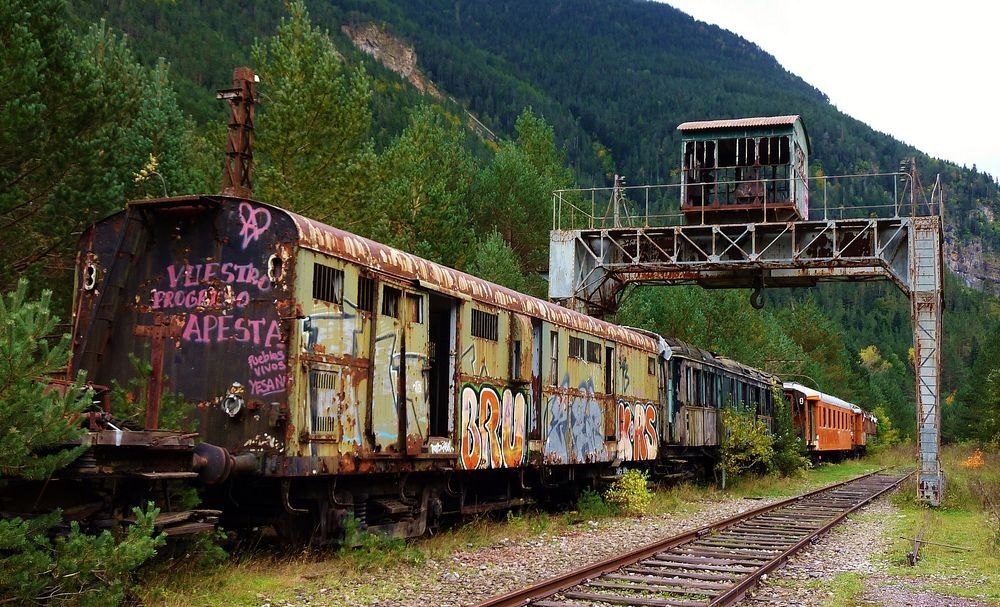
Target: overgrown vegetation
pixel 42 566
pixel 745 445
pixel 37 421
pixel 44 560
pixel 629 494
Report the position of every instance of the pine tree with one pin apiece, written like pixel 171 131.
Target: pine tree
pixel 312 139
pixel 37 424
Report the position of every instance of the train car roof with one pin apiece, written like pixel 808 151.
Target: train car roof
pixel 682 349
pixel 322 238
pixel 827 398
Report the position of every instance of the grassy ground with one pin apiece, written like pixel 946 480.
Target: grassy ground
pixel 965 530
pixel 244 579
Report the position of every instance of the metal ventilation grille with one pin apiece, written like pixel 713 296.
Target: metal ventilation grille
pixel 322 396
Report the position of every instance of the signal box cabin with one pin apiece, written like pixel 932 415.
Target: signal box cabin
pixel 744 170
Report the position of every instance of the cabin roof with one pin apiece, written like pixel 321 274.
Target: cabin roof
pixel 738 123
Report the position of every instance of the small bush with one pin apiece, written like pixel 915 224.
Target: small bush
pixel 788 447
pixel 591 505
pixel 629 494
pixel 366 550
pixel 746 445
pixel 39 567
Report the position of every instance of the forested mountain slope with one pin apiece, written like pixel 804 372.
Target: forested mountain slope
pixel 613 77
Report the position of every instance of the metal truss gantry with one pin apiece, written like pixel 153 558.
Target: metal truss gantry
pixel 590 268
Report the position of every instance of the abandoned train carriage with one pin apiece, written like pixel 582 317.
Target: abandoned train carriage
pixel 702 384
pixel 342 377
pixel 828 425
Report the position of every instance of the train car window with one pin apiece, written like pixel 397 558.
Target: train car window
pixel 699 387
pixel 415 308
pixel 554 360
pixel 651 365
pixel 515 359
pixel 689 386
pixel 594 352
pixel 485 325
pixel 328 284
pixel 390 301
pixel 366 293
pixel 575 347
pixel 609 371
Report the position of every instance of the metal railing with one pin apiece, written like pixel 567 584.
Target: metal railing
pixel 872 195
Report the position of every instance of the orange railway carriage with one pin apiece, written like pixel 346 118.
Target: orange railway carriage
pixel 827 424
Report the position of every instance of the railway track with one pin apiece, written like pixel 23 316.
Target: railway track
pixel 712 566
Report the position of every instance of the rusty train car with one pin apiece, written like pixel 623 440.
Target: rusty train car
pixel 829 426
pixel 332 377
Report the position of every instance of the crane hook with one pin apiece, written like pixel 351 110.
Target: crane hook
pixel 757 295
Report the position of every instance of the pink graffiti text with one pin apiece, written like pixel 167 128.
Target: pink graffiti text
pixel 267 363
pixel 202 298
pixel 493 428
pixel 218 328
pixel 268 385
pixel 227 272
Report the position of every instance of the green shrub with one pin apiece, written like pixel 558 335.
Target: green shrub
pixel 629 494
pixel 37 566
pixel 591 505
pixel 367 551
pixel 788 459
pixel 746 445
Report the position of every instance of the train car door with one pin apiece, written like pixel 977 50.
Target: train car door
pixel 400 409
pixel 416 372
pixel 441 351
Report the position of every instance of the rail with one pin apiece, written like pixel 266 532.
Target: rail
pixel 872 195
pixel 713 565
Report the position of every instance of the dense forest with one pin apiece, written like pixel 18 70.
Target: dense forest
pixel 108 100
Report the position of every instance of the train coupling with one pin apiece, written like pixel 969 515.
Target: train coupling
pixel 216 464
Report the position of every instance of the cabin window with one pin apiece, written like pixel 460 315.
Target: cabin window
pixel 774 150
pixel 390 301
pixel 593 352
pixel 651 365
pixel 575 347
pixel 366 294
pixel 485 325
pixel 328 284
pixel 609 371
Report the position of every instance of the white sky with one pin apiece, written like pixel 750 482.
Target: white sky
pixel 926 72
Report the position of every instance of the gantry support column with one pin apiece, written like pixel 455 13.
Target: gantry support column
pixel 925 305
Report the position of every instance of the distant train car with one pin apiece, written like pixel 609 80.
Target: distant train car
pixel 744 170
pixel 828 425
pixel 702 384
pixel 332 376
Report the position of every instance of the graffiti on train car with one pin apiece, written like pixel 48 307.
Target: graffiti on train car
pixel 335 332
pixel 253 222
pixel 575 431
pixel 494 426
pixel 268 372
pixel 636 431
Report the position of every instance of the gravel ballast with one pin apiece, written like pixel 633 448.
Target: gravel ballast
pixel 472 574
